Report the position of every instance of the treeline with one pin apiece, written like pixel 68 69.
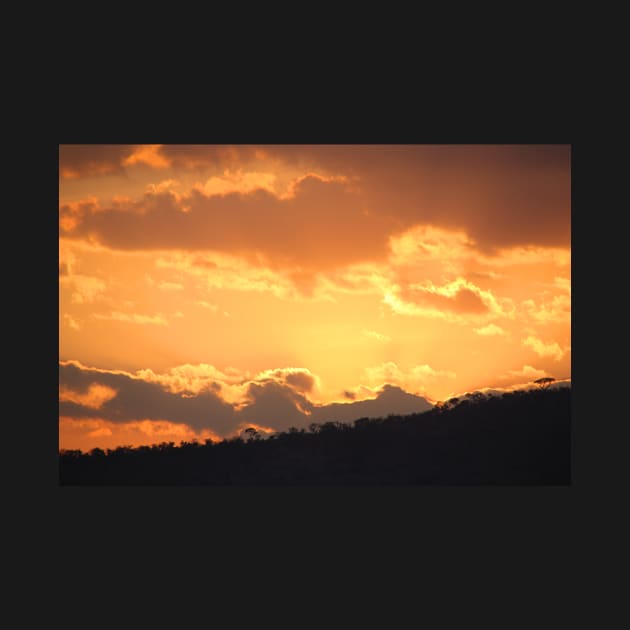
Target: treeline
pixel 517 438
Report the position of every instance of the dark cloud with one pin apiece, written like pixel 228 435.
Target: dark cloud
pixel 502 195
pixel 139 400
pixel 349 395
pixel 275 405
pixel 464 301
pixel 200 156
pixel 323 225
pixel 85 160
pixel 301 381
pixel 88 160
pixel 270 403
pixel 391 400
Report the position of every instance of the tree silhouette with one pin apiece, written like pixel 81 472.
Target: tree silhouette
pixel 251 435
pixel 544 382
pixel 521 437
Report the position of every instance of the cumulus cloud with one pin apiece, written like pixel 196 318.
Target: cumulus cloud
pixel 414 379
pixel 188 379
pixel 543 349
pixel 164 185
pixel 237 182
pixel 456 301
pixel 275 405
pixel 194 396
pixel 490 330
pixel 300 379
pixel 556 310
pixel 137 399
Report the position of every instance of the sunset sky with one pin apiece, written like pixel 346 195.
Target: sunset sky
pixel 204 289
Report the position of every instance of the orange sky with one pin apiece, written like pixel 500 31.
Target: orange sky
pixel 204 289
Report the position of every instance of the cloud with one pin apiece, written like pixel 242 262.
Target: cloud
pixel 199 157
pixel 194 396
pixel 149 154
pixel 542 349
pixel 230 383
pixel 390 400
pixel 86 289
pixel 164 185
pixel 422 243
pixel 94 398
pixel 415 379
pixel 133 318
pixel 459 185
pixel 208 305
pixel 137 399
pixel 188 379
pixel 490 330
pixel 527 371
pixel 371 334
pixel 322 225
pixel 237 182
pixel 88 433
pixel 449 186
pixel 71 214
pixel 302 381
pixel 72 323
pixel 556 310
pixel 221 271
pixel 563 283
pixel 275 405
pixel 299 379
pixel 529 255
pixel 456 301
pixel 97 160
pixel 84 160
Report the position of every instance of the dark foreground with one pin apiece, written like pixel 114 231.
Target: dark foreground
pixel 519 438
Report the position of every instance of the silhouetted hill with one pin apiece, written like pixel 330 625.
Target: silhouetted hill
pixel 517 438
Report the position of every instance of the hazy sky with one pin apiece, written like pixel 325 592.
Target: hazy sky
pixel 204 289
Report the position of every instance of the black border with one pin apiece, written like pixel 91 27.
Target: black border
pixel 414 526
